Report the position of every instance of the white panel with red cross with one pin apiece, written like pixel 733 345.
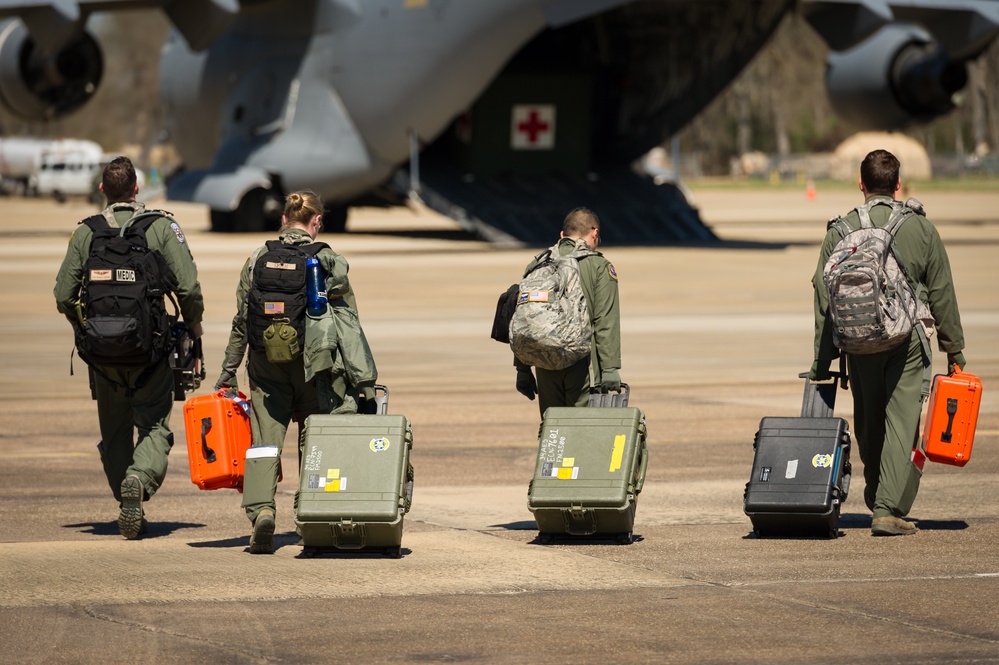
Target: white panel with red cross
pixel 532 127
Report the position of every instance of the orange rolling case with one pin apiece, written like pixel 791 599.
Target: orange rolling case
pixel 951 417
pixel 218 434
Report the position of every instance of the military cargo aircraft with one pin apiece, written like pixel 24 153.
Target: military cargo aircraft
pixel 503 114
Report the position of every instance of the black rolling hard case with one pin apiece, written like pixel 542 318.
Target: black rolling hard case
pixel 801 469
pixel 589 471
pixel 356 482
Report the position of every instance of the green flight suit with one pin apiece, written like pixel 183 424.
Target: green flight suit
pixel 280 392
pixel 571 386
pixel 140 398
pixel 888 386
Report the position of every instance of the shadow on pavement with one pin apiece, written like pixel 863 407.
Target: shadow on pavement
pixel 153 529
pixel 525 525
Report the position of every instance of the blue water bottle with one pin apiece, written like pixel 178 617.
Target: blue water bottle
pixel 315 287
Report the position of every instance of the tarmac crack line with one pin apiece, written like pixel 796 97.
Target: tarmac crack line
pixel 868 615
pixel 240 651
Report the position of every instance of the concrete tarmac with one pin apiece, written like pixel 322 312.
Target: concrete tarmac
pixel 713 340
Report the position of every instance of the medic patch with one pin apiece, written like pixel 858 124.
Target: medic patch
pixel 124 275
pixel 611 271
pixel 100 275
pixel 177 232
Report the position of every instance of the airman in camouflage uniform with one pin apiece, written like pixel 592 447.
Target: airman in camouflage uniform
pixel 571 386
pixel 889 387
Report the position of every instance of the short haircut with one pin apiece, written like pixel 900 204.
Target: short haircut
pixel 879 172
pixel 118 180
pixel 579 222
pixel 301 207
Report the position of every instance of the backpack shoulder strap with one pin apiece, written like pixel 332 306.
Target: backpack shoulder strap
pixel 900 213
pixel 864 212
pixel 841 226
pixel 141 222
pixel 96 223
pixel 541 259
pixel 315 248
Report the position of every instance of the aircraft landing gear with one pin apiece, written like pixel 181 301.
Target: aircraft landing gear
pixel 259 210
pixel 335 218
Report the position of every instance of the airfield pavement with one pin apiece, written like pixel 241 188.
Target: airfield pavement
pixel 713 339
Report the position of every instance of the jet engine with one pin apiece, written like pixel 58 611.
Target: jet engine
pixel 37 85
pixel 897 77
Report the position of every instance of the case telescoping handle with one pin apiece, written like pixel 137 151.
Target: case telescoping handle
pixel 381 401
pixel 819 399
pixel 206 425
pixel 612 399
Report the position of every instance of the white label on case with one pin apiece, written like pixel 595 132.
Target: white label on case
pixel 792 469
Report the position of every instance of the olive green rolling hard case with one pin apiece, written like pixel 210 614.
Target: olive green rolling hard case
pixel 589 471
pixel 356 483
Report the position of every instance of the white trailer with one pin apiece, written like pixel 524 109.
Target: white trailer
pixel 19 161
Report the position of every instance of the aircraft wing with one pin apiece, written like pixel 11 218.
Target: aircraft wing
pixel 53 24
pixel 964 28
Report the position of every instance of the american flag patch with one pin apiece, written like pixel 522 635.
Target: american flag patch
pixel 273 308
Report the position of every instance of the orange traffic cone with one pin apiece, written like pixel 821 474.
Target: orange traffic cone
pixel 810 192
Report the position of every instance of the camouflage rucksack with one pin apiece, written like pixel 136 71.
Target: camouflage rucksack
pixel 872 304
pixel 550 327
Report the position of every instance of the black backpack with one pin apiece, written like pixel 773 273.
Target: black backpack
pixel 125 322
pixel 277 301
pixel 505 305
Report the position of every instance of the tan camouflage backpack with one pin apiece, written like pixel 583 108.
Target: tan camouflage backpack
pixel 550 327
pixel 872 303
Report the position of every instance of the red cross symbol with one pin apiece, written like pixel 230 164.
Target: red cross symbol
pixel 532 127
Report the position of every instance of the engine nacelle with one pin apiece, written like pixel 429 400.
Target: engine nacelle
pixel 895 78
pixel 35 85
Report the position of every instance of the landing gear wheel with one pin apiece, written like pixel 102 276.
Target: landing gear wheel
pixel 259 210
pixel 335 219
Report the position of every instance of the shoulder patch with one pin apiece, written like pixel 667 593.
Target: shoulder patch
pixel 176 229
pixel 611 271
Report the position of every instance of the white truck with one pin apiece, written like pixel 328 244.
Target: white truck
pixel 68 167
